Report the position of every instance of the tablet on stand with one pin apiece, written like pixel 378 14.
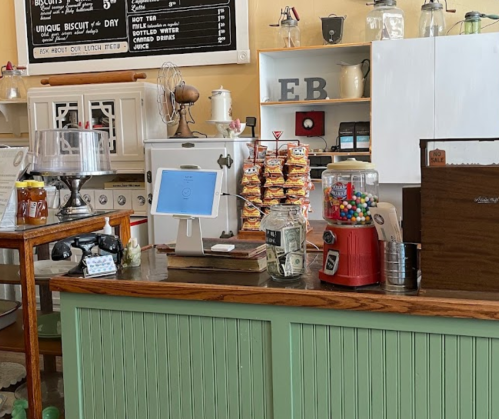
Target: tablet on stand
pixel 188 193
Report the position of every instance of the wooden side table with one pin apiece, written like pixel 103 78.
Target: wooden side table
pixel 24 240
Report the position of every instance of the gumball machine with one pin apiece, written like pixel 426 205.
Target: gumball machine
pixel 351 256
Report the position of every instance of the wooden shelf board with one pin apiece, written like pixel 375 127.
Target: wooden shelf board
pixel 12 339
pixel 9 274
pixel 344 153
pixel 316 102
pixel 317 47
pixel 13 102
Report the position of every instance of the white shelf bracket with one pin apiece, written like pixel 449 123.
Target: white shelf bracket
pixel 12 114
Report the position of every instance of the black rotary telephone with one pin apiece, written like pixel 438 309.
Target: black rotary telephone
pixel 86 242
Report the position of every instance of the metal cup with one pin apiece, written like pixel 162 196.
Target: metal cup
pixel 399 266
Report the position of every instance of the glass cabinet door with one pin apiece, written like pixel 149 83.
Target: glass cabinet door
pixel 120 115
pixel 103 118
pixel 67 115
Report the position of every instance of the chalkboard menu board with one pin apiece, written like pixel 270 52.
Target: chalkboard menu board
pixel 56 36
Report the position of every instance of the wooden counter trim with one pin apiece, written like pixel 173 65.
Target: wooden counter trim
pixel 380 303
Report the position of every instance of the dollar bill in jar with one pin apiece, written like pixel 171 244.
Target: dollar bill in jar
pixel 285 237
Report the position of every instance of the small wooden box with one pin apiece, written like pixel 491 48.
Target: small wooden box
pixel 460 226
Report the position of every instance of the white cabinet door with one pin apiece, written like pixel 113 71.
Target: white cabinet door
pixel 467 86
pixel 402 106
pixel 165 227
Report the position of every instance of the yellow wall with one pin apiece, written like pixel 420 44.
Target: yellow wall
pixel 242 80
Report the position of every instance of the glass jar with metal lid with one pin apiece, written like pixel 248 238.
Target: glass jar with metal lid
pixel 385 21
pixel 285 236
pixel 473 22
pixel 12 85
pixel 350 189
pixel 288 35
pixel 432 20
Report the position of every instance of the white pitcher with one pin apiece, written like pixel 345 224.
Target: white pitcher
pixel 352 80
pixel 221 105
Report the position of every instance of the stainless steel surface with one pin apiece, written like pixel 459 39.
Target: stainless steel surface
pixel 399 266
pixel 8 291
pixel 8 312
pixel 76 205
pixel 50 173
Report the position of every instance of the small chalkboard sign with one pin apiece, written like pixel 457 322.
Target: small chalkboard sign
pixel 437 158
pixel 273 237
pixel 64 36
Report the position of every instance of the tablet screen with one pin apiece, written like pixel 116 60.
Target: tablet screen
pixel 187 192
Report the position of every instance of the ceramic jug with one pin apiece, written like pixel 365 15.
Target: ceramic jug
pixel 221 105
pixel 352 79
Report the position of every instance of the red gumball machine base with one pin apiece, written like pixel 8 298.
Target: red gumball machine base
pixel 351 256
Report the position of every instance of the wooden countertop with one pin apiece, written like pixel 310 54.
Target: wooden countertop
pixel 153 280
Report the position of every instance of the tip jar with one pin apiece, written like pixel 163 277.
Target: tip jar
pixel 350 189
pixel 285 236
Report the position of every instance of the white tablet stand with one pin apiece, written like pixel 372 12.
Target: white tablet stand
pixel 189 237
pixel 169 189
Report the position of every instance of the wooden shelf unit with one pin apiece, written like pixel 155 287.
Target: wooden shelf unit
pixel 317 48
pixel 12 340
pixel 298 65
pixel 9 274
pixel 324 102
pixel 341 153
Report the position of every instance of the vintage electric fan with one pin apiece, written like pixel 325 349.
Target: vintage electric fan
pixel 175 99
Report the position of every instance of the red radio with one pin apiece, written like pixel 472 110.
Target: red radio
pixel 309 124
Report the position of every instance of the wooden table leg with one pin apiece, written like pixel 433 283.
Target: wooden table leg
pixel 30 329
pixel 47 306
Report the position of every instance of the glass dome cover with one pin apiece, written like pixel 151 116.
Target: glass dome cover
pixel 71 152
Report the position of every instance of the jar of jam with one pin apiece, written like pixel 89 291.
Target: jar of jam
pixel 38 208
pixel 22 202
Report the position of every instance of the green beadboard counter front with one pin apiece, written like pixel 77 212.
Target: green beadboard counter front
pixel 161 344
pixel 153 280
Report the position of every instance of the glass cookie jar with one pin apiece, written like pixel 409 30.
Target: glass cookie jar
pixel 285 236
pixel 350 189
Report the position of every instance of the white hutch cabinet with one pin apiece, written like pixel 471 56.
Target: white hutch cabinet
pixel 444 87
pixel 127 111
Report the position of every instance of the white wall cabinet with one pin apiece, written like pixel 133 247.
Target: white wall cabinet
pixel 402 106
pixel 467 86
pixel 444 87
pixel 127 111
